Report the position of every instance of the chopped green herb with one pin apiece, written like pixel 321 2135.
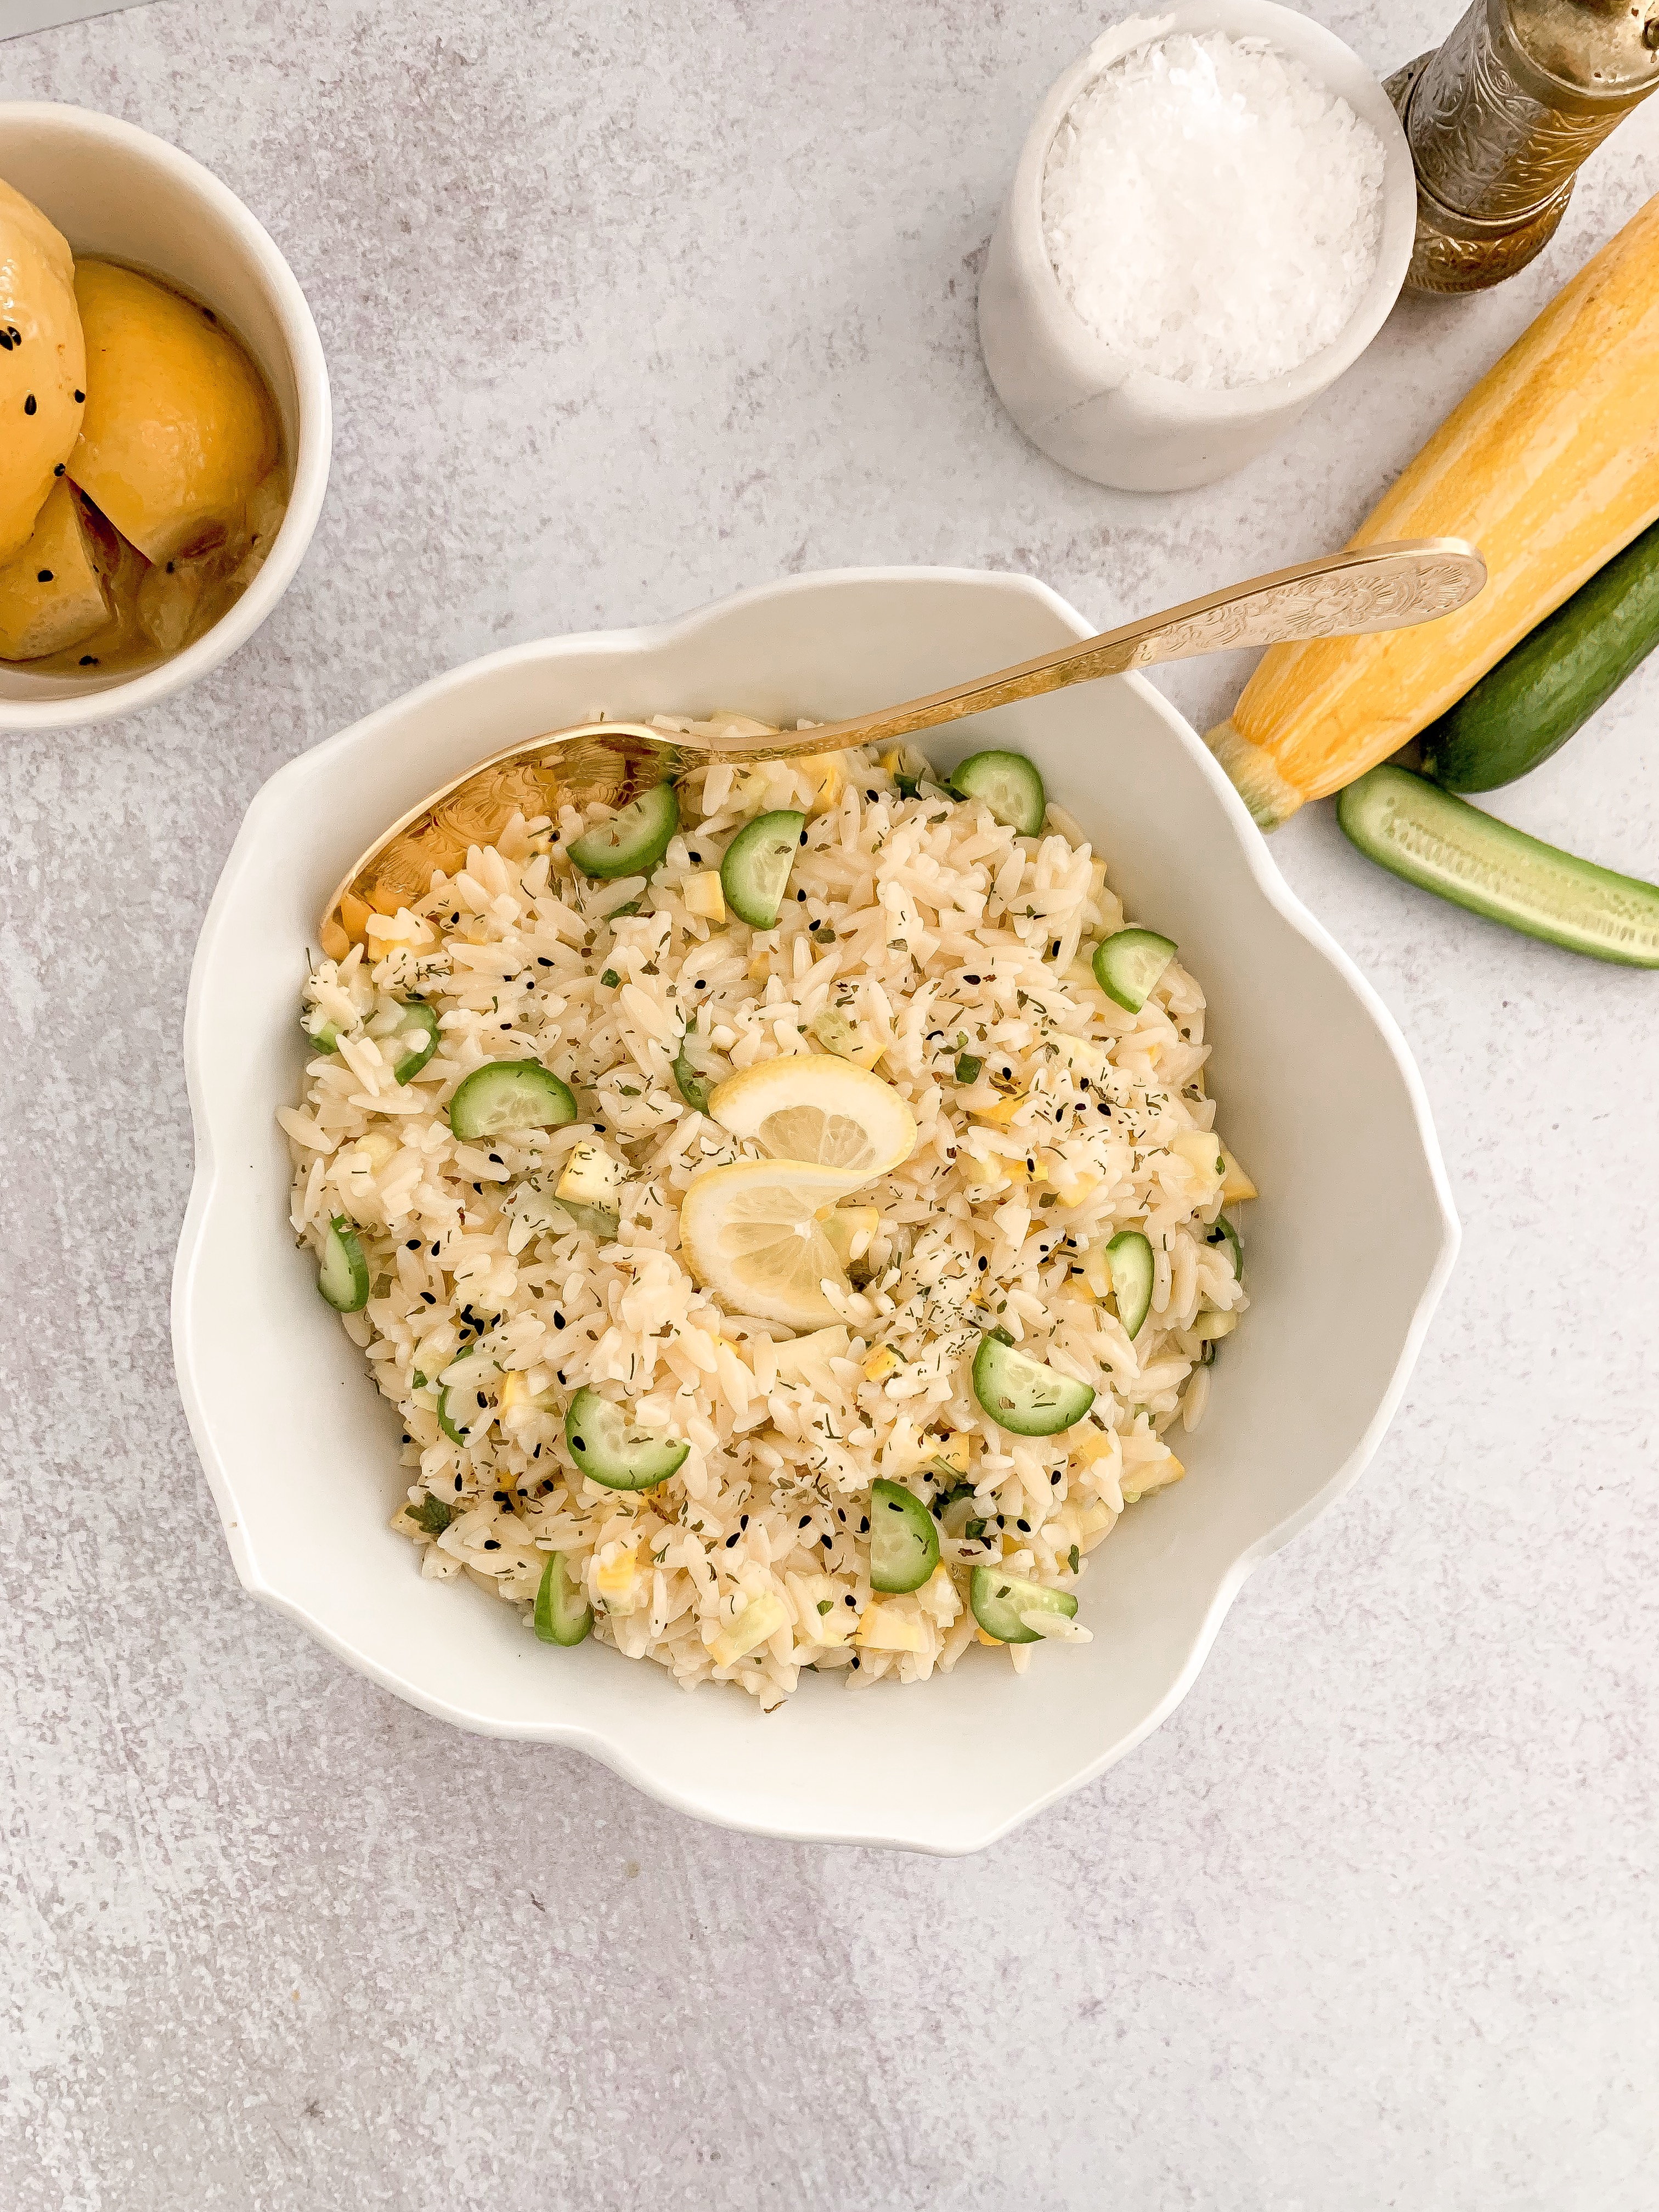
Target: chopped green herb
pixel 432 1515
pixel 968 1068
pixel 610 979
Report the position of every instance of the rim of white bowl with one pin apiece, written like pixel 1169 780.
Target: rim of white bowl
pixel 313 446
pixel 1301 38
pixel 955 1834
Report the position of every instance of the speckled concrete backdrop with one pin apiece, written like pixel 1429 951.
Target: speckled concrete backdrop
pixel 627 306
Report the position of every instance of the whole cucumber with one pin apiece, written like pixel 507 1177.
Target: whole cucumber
pixel 1550 684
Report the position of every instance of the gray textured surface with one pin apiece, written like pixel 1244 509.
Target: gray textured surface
pixel 628 307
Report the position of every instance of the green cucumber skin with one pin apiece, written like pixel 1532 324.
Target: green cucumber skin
pixel 1550 684
pixel 1443 844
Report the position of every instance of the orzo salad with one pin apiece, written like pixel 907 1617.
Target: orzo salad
pixel 786 1214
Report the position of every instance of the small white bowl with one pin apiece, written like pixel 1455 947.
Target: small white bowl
pixel 1081 403
pixel 1346 1251
pixel 115 191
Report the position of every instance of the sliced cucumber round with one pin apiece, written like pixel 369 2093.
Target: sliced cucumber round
pixel 1129 1256
pixel 755 874
pixel 609 1449
pixel 343 1272
pixel 697 1068
pixel 1221 1232
pixel 1127 966
pixel 447 1423
pixel 562 1613
pixel 633 840
pixel 507 1095
pixel 1009 785
pixel 417 1036
pixel 903 1542
pixel 998 1602
pixel 324 1038
pixel 1023 1396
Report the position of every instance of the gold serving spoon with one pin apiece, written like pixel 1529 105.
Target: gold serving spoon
pixel 1371 587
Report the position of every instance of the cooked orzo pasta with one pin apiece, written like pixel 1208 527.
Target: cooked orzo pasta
pixel 867 1401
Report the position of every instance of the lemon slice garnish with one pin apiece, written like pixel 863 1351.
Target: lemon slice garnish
pixel 751 1233
pixel 820 1109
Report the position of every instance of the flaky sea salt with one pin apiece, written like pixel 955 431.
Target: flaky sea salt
pixel 1211 210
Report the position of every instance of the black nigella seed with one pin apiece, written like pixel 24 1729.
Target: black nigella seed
pixel 490 1545
pixel 803 836
pixel 863 1526
pixel 58 471
pixel 730 1539
pixel 559 1321
pixel 1055 1478
pixel 577 1443
pixel 80 399
pixel 1024 1525
pixel 430 1298
pixel 458 1482
pixel 801 896
pixel 871 796
pixel 5 340
pixel 170 568
pixel 435 1251
pixel 827 1542
pixel 88 660
pixel 805 1520
pixel 28 405
pixel 44 576
pixel 696 860
pixel 971 979
pixel 413 1245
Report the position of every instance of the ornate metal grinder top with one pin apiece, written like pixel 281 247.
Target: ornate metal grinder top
pixel 1500 118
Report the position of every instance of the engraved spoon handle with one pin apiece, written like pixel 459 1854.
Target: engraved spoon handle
pixel 1371 587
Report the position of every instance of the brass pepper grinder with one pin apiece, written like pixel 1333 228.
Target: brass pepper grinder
pixel 1499 119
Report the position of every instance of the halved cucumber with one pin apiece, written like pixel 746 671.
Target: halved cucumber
pixel 1009 785
pixel 609 1449
pixel 562 1613
pixel 1127 966
pixel 999 1600
pixel 632 841
pixel 507 1095
pixel 343 1272
pixel 1023 1396
pixel 1445 846
pixel 903 1542
pixel 1129 1256
pixel 417 1034
pixel 1222 1231
pixel 755 874
pixel 324 1037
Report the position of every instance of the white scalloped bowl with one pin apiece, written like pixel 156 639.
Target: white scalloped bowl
pixel 1348 1248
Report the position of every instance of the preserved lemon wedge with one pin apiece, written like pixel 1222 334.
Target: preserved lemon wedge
pixel 179 429
pixel 43 364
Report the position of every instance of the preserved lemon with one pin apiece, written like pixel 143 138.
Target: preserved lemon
pixel 42 364
pixel 179 428
pixel 52 593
